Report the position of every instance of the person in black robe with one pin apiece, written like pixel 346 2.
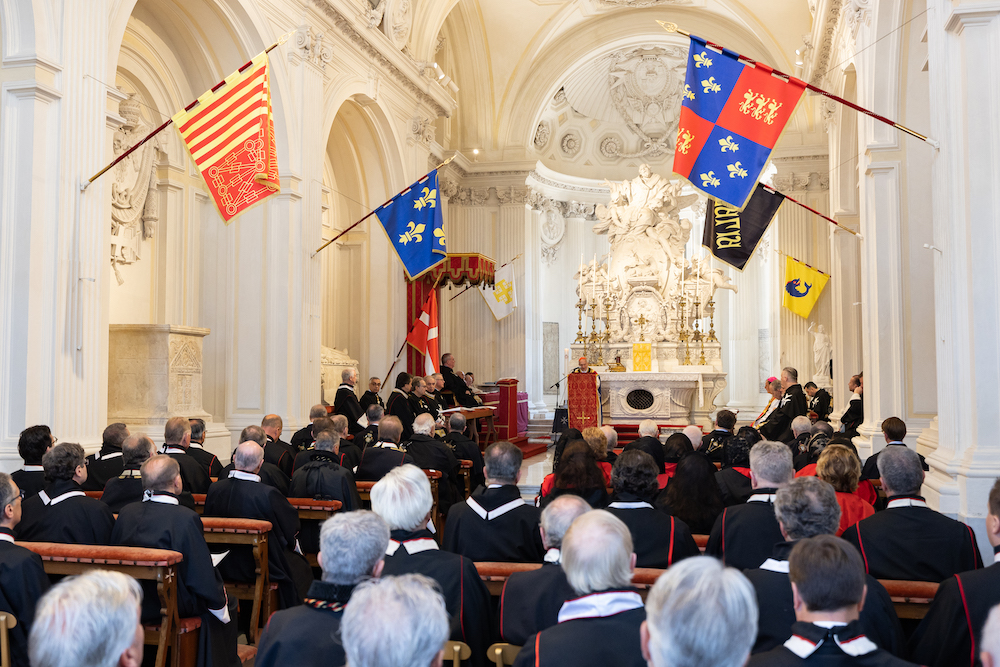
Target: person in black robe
pixel 778 426
pixel 176 441
pixel 805 508
pixel 649 442
pixel 461 392
pixel 209 461
pixel 893 430
pixel 403 499
pixel 530 601
pixel 353 546
pixel 398 404
pixel 276 451
pixel 952 631
pixel 692 494
pixel 854 415
pixel 346 401
pixel 801 432
pixel 712 443
pixel 819 402
pixel 127 487
pixel 323 478
pixel 371 397
pixel 734 477
pixel 269 473
pixel 496 524
pixel 350 454
pixel 62 512
pixel 32 444
pixel 431 454
pixel 601 625
pixel 419 401
pixel 465 449
pixel 305 435
pixel 22 576
pixel 107 463
pixel 369 435
pixel 744 535
pixel 243 496
pixel 159 522
pixel 659 540
pixel 828 595
pixel 385 454
pixel 909 540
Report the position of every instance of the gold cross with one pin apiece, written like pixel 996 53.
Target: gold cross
pixel 584 418
pixel 642 323
pixel 503 292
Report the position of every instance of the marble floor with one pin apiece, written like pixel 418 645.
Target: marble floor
pixel 533 471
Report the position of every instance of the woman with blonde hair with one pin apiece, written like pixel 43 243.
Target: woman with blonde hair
pixel 840 467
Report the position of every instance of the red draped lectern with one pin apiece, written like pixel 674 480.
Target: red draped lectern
pixel 584 400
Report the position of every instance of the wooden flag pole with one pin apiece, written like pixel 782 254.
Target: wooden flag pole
pixel 468 287
pixel 372 212
pixel 672 27
pixel 768 188
pixel 406 339
pixel 281 40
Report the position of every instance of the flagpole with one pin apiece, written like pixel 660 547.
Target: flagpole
pixel 372 212
pixel 768 188
pixel 785 254
pixel 281 40
pixel 468 287
pixel 672 27
pixel 406 339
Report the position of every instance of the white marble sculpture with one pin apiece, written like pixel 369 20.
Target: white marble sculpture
pixel 822 354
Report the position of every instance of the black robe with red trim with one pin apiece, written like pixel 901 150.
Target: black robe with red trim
pixel 744 536
pixel 530 601
pixel 279 453
pixel 510 536
pixel 777 613
pixel 658 539
pixel 734 485
pixel 587 642
pixel 844 645
pixel 22 582
pixel 914 543
pixel 944 637
pixel 322 479
pixel 209 461
pixel 398 405
pixel 465 595
pixel 377 461
pixel 370 398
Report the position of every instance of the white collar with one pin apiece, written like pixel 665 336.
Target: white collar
pixel 58 499
pixel 412 546
pixel 854 647
pixel 618 505
pixel 28 468
pixel 7 537
pixel 386 445
pixel 905 502
pixel 762 498
pixel 148 496
pixel 344 384
pixel 400 391
pixel 495 486
pixel 553 556
pixel 772 565
pixel 174 449
pixel 245 476
pixel 106 457
pixel 492 514
pixel 599 605
pixel 196 445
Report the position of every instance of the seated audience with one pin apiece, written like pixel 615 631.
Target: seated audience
pixel 598 443
pixel 909 540
pixel 159 522
pixel 369 434
pixel 63 512
pixel 465 449
pixel 403 499
pixel 805 508
pixel 805 460
pixel 693 496
pixel 384 455
pixel 601 625
pixel 839 467
pixel 304 437
pixel 712 443
pixel 106 464
pixel 398 404
pixel 611 435
pixel 127 487
pixel 269 473
pixel 676 447
pixel 323 479
pixel 209 461
pixel 350 454
pixel 700 613
pixel 496 524
pixel 801 432
pixel 241 495
pixel 579 474
pixel 952 630
pixel 352 548
pixel 32 444
pixel 22 576
pixel 431 454
pixel 531 600
pixel 658 539
pixel 70 629
pixel 734 477
pixel 990 653
pixel 566 437
pixel 395 622
pixel 649 442
pixel 277 451
pixel 829 594
pixel 744 536
pixel 176 441
pixel 893 430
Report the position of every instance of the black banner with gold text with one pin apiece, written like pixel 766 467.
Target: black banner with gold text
pixel 732 235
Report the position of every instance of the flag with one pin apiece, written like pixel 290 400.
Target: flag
pixel 502 299
pixel 412 220
pixel 803 285
pixel 731 116
pixel 229 132
pixel 423 334
pixel 731 235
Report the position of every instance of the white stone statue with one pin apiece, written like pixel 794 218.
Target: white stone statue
pixel 822 351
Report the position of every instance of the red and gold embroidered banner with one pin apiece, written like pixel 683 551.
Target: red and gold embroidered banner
pixel 584 400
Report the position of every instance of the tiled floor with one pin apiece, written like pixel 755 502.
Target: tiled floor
pixel 533 471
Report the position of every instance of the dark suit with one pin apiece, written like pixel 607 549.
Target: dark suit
pixel 456 385
pixel 370 398
pixel 492 526
pixel 193 475
pixel 778 426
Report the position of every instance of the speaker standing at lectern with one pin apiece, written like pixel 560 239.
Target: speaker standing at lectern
pixel 584 396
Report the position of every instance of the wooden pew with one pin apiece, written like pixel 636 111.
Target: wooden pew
pixel 252 533
pixel 465 472
pixel 158 565
pixel 314 510
pixel 7 622
pixel 433 476
pixel 495 575
pixel 911 599
pixel 701 541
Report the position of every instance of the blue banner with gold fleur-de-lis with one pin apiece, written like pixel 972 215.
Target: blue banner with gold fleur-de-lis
pixel 732 113
pixel 412 220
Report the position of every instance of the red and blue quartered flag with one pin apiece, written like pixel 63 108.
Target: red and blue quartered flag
pixel 732 115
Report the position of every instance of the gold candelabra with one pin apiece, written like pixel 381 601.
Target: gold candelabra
pixel 697 336
pixel 642 321
pixel 710 308
pixel 581 305
pixel 683 332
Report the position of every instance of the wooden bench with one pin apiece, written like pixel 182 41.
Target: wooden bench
pixel 157 565
pixel 465 472
pixel 310 509
pixel 252 533
pixel 433 476
pixel 495 575
pixel 911 599
pixel 7 622
pixel 701 541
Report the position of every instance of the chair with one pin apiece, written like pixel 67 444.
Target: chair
pixel 643 579
pixel 7 622
pixel 252 533
pixel 314 510
pixel 90 494
pixel 199 502
pixel 456 651
pixel 465 471
pixel 502 654
pixel 911 599
pixel 365 492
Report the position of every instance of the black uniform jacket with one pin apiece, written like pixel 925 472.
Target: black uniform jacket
pixel 379 459
pixel 346 403
pixel 63 513
pixel 658 539
pixel 530 601
pixel 308 634
pixel 841 645
pixel 22 583
pixel 399 406
pixel 744 536
pixel 103 466
pixel 193 475
pixel 494 524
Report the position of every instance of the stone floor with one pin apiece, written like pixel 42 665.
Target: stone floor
pixel 533 471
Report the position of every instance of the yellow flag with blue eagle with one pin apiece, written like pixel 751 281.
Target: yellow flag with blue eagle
pixel 412 221
pixel 803 285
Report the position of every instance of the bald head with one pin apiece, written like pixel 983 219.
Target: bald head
pixel 248 457
pixel 423 424
pixel 177 431
pixel 272 426
pixel 162 474
pixel 317 411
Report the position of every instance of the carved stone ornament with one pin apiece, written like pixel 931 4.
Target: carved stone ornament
pixel 637 4
pixel 612 147
pixel 542 134
pixel 422 130
pixel 513 195
pixel 397 21
pixel 571 143
pixel 133 192
pixel 645 86
pixel 312 47
pixel 374 9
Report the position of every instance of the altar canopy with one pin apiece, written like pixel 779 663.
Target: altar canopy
pixel 584 398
